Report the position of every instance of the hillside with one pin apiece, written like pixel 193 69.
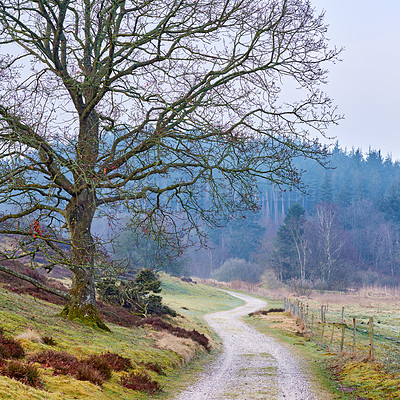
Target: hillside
pixel 159 355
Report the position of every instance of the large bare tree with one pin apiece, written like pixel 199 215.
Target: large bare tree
pixel 146 104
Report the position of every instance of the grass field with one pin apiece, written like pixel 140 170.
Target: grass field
pixel 29 318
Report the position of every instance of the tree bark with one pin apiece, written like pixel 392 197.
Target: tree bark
pixel 82 301
pixel 79 217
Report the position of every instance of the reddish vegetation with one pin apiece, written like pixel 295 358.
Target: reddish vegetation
pixel 93 369
pixel 117 315
pixel 100 364
pixel 10 348
pixel 96 368
pixel 266 312
pixel 25 373
pixel 117 362
pixel 158 324
pixel 156 367
pixel 62 362
pixel 141 383
pixel 86 372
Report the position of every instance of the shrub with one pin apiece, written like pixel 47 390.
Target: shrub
pixel 86 372
pixel 10 348
pixel 141 383
pixel 138 295
pixel 99 363
pixel 25 373
pixel 62 362
pixel 266 312
pixel 156 367
pixel 159 324
pixel 95 368
pixel 117 362
pixel 49 341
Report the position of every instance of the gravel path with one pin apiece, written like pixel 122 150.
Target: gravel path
pixel 252 365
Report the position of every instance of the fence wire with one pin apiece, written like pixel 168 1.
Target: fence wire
pixel 337 332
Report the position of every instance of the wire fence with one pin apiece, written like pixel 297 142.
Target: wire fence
pixel 336 331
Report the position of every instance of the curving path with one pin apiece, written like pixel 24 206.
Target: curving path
pixel 252 365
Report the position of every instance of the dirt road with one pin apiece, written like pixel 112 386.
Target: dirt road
pixel 252 365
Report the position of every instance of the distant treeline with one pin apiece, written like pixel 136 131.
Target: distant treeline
pixel 344 230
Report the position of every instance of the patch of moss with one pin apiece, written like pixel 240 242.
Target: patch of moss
pixel 370 380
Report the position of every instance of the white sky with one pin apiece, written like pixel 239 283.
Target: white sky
pixel 366 84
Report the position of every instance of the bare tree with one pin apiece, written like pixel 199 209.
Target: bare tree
pixel 146 104
pixel 330 241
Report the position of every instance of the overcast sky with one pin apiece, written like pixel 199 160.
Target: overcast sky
pixel 366 84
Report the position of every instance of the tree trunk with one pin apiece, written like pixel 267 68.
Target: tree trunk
pixel 79 217
pixel 82 302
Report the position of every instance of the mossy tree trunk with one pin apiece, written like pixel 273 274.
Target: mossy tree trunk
pixel 79 217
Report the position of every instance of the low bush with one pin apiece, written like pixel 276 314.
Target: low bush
pixel 99 363
pixel 95 368
pixel 159 324
pixel 86 372
pixel 49 341
pixel 266 312
pixel 140 295
pixel 117 362
pixel 141 383
pixel 25 373
pixel 10 348
pixel 156 367
pixel 62 362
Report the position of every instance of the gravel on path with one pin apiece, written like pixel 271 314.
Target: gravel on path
pixel 252 365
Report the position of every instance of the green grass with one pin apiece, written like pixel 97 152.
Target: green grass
pixel 18 313
pixel 193 301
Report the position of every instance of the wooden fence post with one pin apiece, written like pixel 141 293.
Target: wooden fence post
pixel 354 335
pixel 371 338
pixel 322 333
pixel 342 338
pixel 333 331
pixel 322 314
pixel 312 326
pixel 342 315
pixel 306 318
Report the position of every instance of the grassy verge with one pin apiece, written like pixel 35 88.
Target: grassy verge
pixel 344 376
pixel 286 330
pixel 31 318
